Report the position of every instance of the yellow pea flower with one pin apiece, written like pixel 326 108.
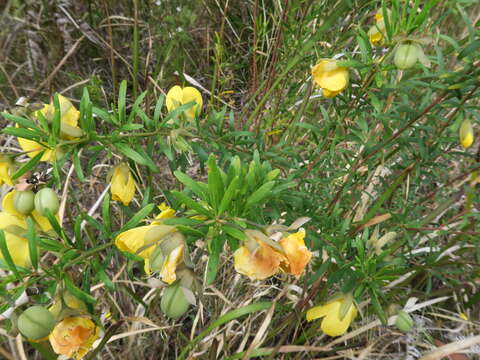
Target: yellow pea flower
pixel 466 134
pixel 122 184
pixel 5 169
pixel 14 227
pixel 333 79
pixel 297 254
pixel 333 323
pixel 74 337
pixel 178 96
pixel 42 221
pixel 69 115
pixel 256 259
pixel 141 240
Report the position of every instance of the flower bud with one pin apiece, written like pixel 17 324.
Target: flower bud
pixel 466 134
pixel 406 56
pixel 174 301
pixel 404 321
pixel 23 201
pixel 36 323
pixel 46 199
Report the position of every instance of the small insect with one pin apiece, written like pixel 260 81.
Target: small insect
pixel 37 179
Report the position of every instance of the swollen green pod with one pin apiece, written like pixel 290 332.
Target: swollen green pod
pixel 24 201
pixel 36 323
pixel 174 302
pixel 46 199
pixel 406 56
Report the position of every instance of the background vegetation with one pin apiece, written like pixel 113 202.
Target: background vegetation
pixel 383 156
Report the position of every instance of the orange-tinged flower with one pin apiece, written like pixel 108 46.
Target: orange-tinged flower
pixel 14 229
pixel 178 96
pixel 332 78
pixel 74 336
pixel 297 254
pixel 122 184
pixel 69 115
pixel 333 323
pixel 256 259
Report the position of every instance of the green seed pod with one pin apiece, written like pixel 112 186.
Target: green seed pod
pixel 36 323
pixel 174 302
pixel 404 321
pixel 406 56
pixel 23 201
pixel 46 199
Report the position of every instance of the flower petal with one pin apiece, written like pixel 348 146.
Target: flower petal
pixel 123 185
pixel 334 326
pixel 169 267
pixel 192 94
pixel 174 98
pixel 297 253
pixel 17 245
pixel 322 310
pixel 261 264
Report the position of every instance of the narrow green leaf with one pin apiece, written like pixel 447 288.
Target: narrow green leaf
pixel 29 124
pixel 135 156
pixel 77 292
pixel 106 212
pixel 158 109
pixel 229 195
pixel 102 275
pixel 122 99
pixel 139 216
pixel 216 246
pixel 215 183
pixel 184 199
pixel 23 133
pixel 78 166
pixel 234 232
pixel 32 163
pixel 229 316
pixel 7 257
pixel 190 184
pixel 32 243
pixel 57 117
pixel 261 193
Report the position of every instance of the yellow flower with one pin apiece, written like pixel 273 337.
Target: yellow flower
pixel 5 166
pixel 141 240
pixel 166 212
pixel 123 184
pixel 332 78
pixel 42 221
pixel 69 115
pixel 256 259
pixel 74 337
pixel 297 254
pixel 333 323
pixel 466 134
pixel 14 227
pixel 178 96
pixel 376 33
